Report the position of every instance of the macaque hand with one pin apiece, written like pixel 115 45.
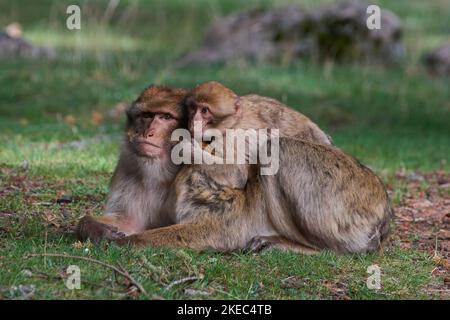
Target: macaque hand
pixel 95 231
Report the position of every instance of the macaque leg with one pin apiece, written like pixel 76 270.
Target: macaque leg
pixel 106 227
pixel 199 236
pixel 122 222
pixel 276 242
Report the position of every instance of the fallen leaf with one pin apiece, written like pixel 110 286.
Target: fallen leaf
pixel 70 120
pixel 96 118
pixel 441 261
pixel 118 111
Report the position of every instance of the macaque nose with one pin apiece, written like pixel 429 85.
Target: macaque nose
pixel 149 133
pixel 153 128
pixel 150 130
pixel 198 116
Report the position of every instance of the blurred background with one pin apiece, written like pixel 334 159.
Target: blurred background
pixel 63 92
pixel 383 95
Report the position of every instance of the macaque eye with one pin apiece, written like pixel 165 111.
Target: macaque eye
pixel 167 116
pixel 147 115
pixel 204 110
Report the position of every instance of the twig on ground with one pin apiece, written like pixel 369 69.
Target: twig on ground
pixel 118 270
pixel 180 281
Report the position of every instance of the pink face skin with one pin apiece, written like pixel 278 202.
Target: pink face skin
pixel 152 135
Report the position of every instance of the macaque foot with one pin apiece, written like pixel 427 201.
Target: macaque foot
pixel 259 243
pixel 122 241
pixel 90 229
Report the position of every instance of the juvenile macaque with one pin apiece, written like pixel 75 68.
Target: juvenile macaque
pixel 322 198
pixel 216 106
pixel 145 172
pixel 319 199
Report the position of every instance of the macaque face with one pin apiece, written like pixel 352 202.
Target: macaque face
pixel 152 130
pixel 213 105
pixel 199 113
pixel 151 120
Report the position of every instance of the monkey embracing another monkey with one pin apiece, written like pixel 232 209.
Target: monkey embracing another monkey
pixel 218 107
pixel 144 174
pixel 319 199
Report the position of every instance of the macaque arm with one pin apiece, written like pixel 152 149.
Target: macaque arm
pixel 106 227
pixel 196 235
pixel 121 221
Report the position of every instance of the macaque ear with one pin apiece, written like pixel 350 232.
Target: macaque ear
pixel 129 113
pixel 237 104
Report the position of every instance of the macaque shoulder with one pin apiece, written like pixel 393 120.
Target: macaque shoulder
pixel 320 157
pixel 264 112
pixel 260 112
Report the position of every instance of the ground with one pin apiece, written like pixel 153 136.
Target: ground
pixel 61 129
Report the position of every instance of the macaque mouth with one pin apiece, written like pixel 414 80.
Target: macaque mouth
pixel 146 142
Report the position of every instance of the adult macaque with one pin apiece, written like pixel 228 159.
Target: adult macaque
pixel 319 199
pixel 145 172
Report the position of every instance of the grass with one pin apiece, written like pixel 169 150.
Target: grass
pixel 390 118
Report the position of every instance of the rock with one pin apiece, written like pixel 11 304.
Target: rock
pixel 65 199
pixel 26 273
pixel 438 60
pixel 415 177
pixel 25 165
pixel 27 290
pixel 14 30
pixel 13 45
pixel 251 35
pixel 337 32
pixel 340 32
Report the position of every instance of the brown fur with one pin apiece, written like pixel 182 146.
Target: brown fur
pixel 319 199
pixel 253 112
pixel 141 181
pixel 333 203
pixel 325 199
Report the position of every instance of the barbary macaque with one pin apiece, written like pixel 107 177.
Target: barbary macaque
pixel 319 199
pixel 322 198
pixel 215 106
pixel 145 172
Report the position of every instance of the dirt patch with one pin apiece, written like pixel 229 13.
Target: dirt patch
pixel 423 215
pixel 48 201
pixel 423 222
